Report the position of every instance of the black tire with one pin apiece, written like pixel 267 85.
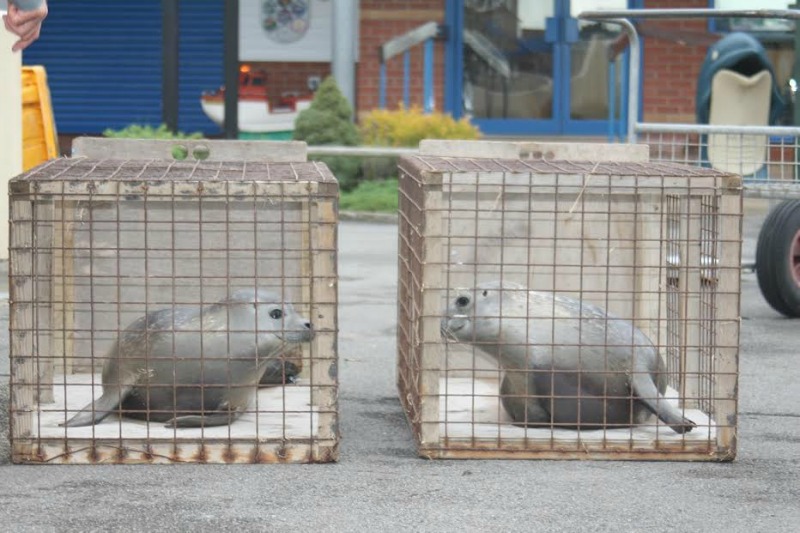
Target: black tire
pixel 775 259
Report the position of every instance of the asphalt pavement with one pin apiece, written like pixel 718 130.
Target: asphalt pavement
pixel 379 484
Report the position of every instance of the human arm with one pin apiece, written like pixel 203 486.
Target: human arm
pixel 24 18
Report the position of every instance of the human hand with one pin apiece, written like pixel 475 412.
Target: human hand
pixel 25 24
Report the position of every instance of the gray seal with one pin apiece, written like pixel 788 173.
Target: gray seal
pixel 567 363
pixel 196 366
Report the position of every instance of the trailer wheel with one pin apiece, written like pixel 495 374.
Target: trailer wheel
pixel 778 258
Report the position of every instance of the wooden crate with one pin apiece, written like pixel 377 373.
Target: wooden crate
pixel 655 244
pixel 131 227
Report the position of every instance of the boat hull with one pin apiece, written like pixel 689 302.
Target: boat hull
pixel 255 116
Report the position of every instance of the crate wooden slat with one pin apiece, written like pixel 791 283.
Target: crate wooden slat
pixel 99 240
pixel 209 150
pixel 657 244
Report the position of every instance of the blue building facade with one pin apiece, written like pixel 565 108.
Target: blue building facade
pixel 104 64
pixel 517 67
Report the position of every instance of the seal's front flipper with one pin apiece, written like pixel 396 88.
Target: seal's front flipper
pixel 645 389
pixel 99 409
pixel 196 421
pixel 279 372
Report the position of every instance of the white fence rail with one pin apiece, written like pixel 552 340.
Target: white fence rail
pixel 767 157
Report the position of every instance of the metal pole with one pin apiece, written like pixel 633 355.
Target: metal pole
pixel 382 89
pixel 344 58
pixel 796 65
pixel 169 64
pixel 633 75
pixel 406 79
pixel 612 96
pixel 796 78
pixel 624 93
pixel 231 66
pixel 429 101
pixel 668 13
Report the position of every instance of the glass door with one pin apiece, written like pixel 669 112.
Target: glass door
pixel 509 66
pixel 529 67
pixel 595 70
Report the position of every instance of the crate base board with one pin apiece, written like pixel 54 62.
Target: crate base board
pixel 285 416
pixel 476 426
pixel 138 451
pixel 682 454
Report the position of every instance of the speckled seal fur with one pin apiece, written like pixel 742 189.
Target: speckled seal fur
pixel 567 363
pixel 193 366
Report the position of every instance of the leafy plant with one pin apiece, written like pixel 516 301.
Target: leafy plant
pixel 137 131
pixel 406 127
pixel 378 196
pixel 329 121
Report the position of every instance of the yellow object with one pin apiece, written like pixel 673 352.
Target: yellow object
pixel 407 127
pixel 39 138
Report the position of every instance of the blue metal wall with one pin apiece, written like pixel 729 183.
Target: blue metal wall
pixel 103 62
pixel 201 60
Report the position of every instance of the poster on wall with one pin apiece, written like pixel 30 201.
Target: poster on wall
pixel 285 30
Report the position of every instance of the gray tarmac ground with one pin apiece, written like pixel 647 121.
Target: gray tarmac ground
pixel 380 485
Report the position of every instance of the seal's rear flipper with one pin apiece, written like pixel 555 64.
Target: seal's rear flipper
pixel 645 389
pixel 97 410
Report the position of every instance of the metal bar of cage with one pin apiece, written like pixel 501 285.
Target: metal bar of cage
pixel 87 231
pixel 475 211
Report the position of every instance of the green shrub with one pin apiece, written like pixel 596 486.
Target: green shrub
pixel 329 121
pixel 136 131
pixel 378 168
pixel 378 196
pixel 406 127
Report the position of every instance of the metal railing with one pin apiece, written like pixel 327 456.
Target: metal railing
pixel 623 16
pixel 403 44
pixel 360 151
pixel 766 156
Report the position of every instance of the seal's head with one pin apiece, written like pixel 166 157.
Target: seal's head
pixel 478 315
pixel 266 313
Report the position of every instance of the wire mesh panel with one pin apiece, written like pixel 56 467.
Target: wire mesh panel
pixel 556 309
pixel 765 156
pixel 166 311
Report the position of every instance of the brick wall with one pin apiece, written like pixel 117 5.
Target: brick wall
pixel 290 77
pixel 673 53
pixel 382 20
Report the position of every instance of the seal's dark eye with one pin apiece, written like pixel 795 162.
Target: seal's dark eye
pixel 276 314
pixel 462 301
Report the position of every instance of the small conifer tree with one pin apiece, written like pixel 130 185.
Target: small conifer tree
pixel 329 121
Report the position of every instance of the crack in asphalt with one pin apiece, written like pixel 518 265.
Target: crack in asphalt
pixel 777 415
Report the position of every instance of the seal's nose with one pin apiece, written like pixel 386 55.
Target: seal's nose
pixel 309 329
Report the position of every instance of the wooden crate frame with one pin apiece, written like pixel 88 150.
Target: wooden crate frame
pixel 41 272
pixel 701 347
